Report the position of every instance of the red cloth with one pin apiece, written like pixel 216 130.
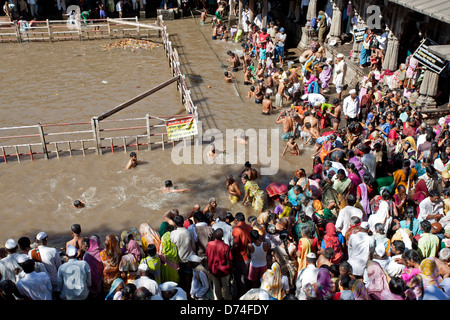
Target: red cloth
pixel 241 238
pixel 276 189
pixel 218 253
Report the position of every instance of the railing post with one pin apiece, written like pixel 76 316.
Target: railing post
pixel 96 135
pixel 147 119
pixel 17 31
pixel 44 144
pixel 49 31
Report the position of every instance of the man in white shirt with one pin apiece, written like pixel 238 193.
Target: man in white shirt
pixel 431 208
pixel 360 249
pixel 9 264
pixel 145 281
pixel 312 98
pixel 345 215
pixel 339 72
pixel 306 275
pixel 34 285
pixel 201 283
pixel 171 291
pixel 74 277
pixel 351 107
pixel 227 229
pixel 50 258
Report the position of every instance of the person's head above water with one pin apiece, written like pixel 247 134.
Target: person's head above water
pixel 78 204
pixel 133 154
pixel 168 183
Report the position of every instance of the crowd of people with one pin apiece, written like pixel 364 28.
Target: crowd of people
pixel 369 222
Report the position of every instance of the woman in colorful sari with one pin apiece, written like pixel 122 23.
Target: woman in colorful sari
pixel 303 180
pixel 430 273
pixel 253 193
pixel 283 209
pixel 420 194
pixel 309 80
pixel 382 215
pixel 377 280
pixel 342 184
pixel 411 259
pixel 354 176
pixel 364 192
pixel 272 282
pixel 365 49
pixel 324 286
pixel 334 240
pixel 359 290
pixel 304 247
pixel 110 257
pixel 325 76
pixel 129 261
pixel 284 255
pixel 114 291
pixel 169 259
pixel 321 217
pixel 406 176
pixel 148 236
pixel 92 257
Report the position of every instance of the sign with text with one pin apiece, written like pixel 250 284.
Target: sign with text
pixel 359 34
pixel 180 128
pixel 429 59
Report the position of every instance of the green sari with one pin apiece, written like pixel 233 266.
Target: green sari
pixel 170 252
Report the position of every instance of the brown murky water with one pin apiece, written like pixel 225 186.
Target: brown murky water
pixel 61 82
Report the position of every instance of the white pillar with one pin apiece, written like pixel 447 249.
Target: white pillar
pixel 305 40
pixel 336 21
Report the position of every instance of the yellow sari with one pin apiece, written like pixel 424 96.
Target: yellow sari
pixel 271 282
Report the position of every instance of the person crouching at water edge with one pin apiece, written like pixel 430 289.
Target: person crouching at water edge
pixel 253 194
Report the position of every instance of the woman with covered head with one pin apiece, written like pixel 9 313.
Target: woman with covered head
pixel 110 257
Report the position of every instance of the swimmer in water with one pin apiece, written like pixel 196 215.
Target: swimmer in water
pixel 78 204
pixel 168 187
pixel 293 147
pixel 229 77
pixel 132 162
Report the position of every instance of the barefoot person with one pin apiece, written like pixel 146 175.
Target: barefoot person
pixel 168 187
pixel 133 162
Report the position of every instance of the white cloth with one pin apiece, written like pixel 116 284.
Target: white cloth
pixel 429 208
pixel 74 280
pixel 8 265
pixel 439 165
pixel 305 276
pixel 150 284
pixel 394 269
pixel 315 97
pixel 381 216
pixel 51 260
pixel 227 231
pixel 35 285
pixel 180 295
pixel 350 107
pixel 382 40
pixel 339 73
pixel 345 214
pixel 360 246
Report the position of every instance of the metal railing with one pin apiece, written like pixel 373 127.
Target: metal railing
pixel 100 134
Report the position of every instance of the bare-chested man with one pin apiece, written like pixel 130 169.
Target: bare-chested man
pixel 133 162
pixel 293 147
pixel 305 55
pixel 280 92
pixel 288 125
pixel 259 92
pixel 335 115
pixel 168 187
pixel 233 60
pixel 267 105
pixel 248 76
pixel 77 240
pixel 260 72
pixel 251 172
pixel 229 77
pixel 311 118
pixel 309 133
